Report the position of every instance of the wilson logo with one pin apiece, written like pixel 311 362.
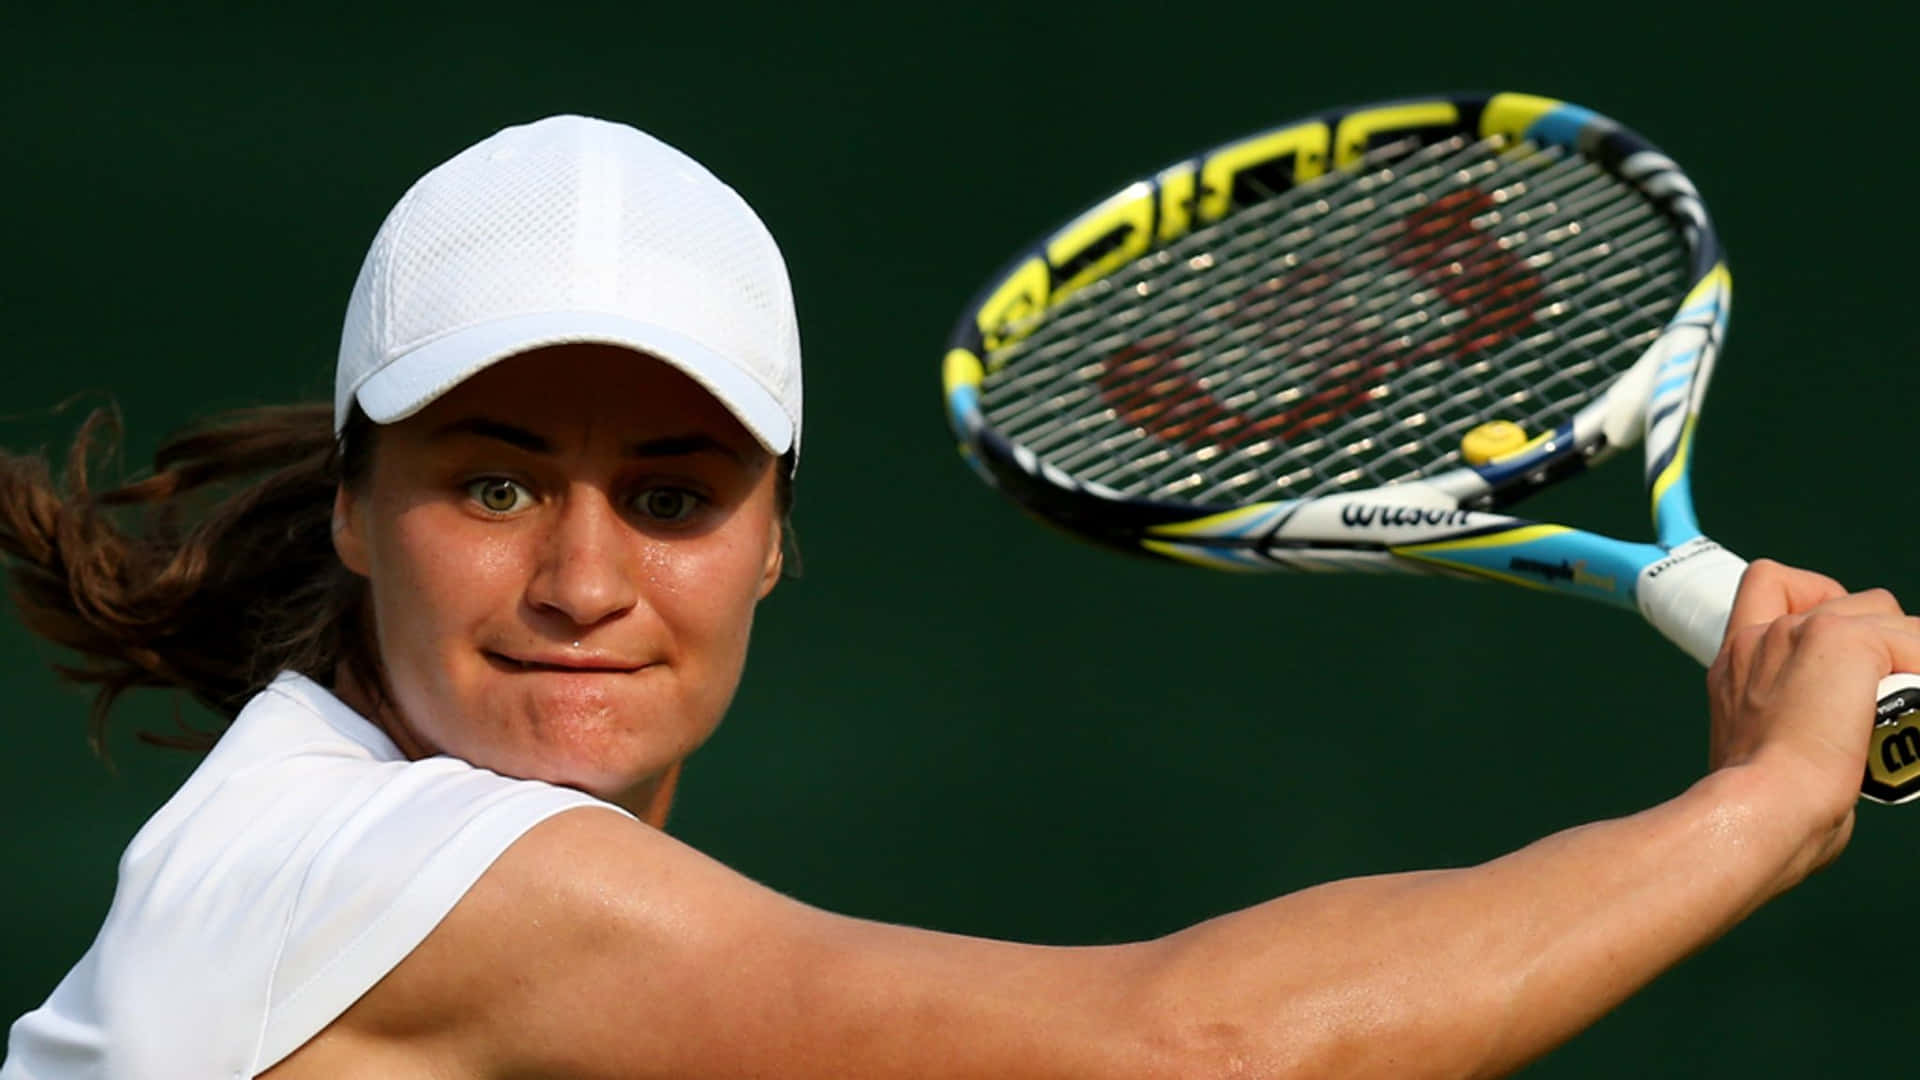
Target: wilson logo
pixel 1900 750
pixel 1361 516
pixel 1444 247
pixel 1575 571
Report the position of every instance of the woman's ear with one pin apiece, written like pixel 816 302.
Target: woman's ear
pixel 776 560
pixel 349 541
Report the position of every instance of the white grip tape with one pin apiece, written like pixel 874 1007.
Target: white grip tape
pixel 1688 595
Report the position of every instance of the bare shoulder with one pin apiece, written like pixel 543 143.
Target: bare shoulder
pixel 577 925
pixel 599 946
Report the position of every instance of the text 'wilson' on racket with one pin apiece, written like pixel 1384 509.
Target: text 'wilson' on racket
pixel 1341 344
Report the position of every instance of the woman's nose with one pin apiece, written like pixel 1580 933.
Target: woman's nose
pixel 586 571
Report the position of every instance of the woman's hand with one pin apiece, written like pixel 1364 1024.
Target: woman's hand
pixel 1793 693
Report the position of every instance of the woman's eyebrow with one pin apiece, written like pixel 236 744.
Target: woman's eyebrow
pixel 682 445
pixel 493 429
pixel 513 435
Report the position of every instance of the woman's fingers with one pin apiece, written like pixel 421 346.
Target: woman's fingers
pixel 1770 589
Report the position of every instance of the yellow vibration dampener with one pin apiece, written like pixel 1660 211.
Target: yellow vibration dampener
pixel 1495 438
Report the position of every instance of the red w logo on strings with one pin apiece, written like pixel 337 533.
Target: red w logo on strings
pixel 1339 362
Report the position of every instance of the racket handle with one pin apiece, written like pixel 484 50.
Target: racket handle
pixel 1688 596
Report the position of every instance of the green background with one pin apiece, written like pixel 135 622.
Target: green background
pixel 958 718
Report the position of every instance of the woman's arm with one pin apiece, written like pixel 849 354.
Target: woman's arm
pixel 597 946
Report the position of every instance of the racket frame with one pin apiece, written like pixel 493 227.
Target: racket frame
pixel 1325 532
pixel 1444 524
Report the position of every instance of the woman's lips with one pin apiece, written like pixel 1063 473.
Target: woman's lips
pixel 570 663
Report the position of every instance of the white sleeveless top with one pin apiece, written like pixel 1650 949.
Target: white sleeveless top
pixel 302 861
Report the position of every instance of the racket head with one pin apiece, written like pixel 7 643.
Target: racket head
pixel 1342 307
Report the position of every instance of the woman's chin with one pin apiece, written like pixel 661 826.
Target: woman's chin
pixel 600 734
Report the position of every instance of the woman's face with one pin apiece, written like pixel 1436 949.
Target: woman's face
pixel 564 554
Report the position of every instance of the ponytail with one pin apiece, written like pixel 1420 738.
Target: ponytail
pixel 211 575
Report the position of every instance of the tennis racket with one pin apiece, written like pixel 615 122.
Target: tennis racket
pixel 1348 342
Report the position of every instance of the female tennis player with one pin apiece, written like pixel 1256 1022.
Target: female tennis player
pixel 468 623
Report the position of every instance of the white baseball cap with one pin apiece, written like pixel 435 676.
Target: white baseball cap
pixel 565 230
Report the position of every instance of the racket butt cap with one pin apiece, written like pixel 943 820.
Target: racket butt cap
pixel 1893 754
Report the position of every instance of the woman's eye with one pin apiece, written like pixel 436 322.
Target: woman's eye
pixel 667 504
pixel 498 495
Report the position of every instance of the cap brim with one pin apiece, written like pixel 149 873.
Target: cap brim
pixel 414 380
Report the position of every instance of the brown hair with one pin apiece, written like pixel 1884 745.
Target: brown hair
pixel 226 577
pixel 212 574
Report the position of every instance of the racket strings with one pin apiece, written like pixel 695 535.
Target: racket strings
pixel 1348 331
pixel 1562 368
pixel 1455 389
pixel 1489 301
pixel 1442 241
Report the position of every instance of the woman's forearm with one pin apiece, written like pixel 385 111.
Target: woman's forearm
pixel 1475 971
